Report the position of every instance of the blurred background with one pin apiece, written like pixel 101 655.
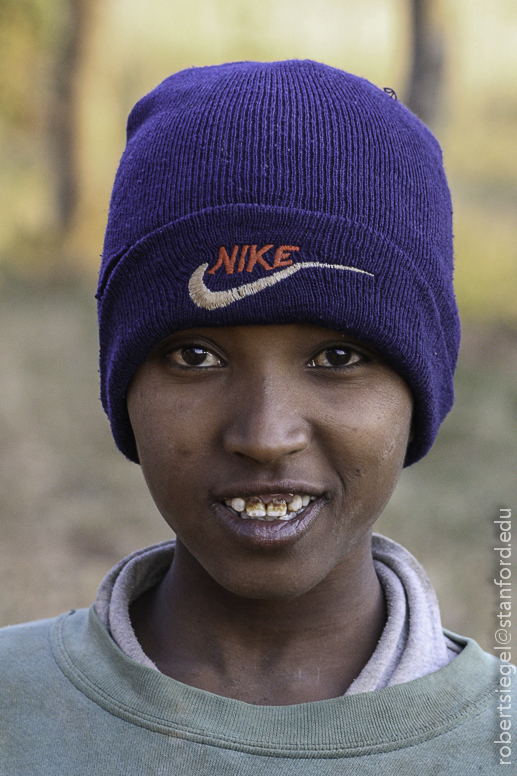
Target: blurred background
pixel 70 504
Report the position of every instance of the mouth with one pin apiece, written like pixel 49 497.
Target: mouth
pixel 271 506
pixel 276 517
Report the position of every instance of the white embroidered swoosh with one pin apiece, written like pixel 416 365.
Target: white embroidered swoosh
pixel 213 300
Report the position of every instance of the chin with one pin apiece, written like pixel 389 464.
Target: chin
pixel 268 586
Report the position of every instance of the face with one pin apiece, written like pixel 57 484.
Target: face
pixel 270 450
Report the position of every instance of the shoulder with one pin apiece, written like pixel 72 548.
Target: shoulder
pixel 27 637
pixel 38 704
pixel 22 643
pixel 12 636
pixel 474 656
pixel 26 656
pixel 472 667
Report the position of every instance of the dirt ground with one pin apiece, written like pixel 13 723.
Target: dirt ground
pixel 71 505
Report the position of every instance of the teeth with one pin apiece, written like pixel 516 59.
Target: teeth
pixel 297 503
pixel 276 509
pixel 238 504
pixel 254 507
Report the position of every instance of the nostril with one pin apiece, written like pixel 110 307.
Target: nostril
pixel 265 448
pixel 269 425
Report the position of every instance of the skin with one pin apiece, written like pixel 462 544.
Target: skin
pixel 267 613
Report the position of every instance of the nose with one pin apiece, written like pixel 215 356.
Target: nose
pixel 268 425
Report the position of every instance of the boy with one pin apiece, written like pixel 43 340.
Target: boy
pixel 278 336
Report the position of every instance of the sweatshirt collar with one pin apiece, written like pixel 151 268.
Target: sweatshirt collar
pixel 412 643
pixel 381 720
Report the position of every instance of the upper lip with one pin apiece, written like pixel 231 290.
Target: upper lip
pixel 248 489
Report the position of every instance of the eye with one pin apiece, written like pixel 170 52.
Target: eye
pixel 194 356
pixel 337 356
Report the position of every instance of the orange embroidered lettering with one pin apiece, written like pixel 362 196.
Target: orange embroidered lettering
pixel 281 255
pixel 256 256
pixel 242 260
pixel 223 258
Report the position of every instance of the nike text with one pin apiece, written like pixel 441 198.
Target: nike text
pixel 256 256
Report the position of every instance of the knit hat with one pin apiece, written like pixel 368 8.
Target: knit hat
pixel 282 192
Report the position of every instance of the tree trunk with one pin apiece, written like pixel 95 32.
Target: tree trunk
pixel 427 62
pixel 64 108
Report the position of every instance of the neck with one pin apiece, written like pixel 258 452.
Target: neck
pixel 268 652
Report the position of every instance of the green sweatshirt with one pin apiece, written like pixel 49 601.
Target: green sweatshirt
pixel 72 703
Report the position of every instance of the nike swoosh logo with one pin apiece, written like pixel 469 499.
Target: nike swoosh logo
pixel 213 300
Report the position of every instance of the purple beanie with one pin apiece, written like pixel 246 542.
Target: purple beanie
pixel 281 192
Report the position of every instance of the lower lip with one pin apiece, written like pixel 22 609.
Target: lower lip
pixel 268 534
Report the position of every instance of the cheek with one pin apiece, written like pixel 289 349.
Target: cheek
pixel 393 428
pixel 170 441
pixel 369 434
pixel 369 444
